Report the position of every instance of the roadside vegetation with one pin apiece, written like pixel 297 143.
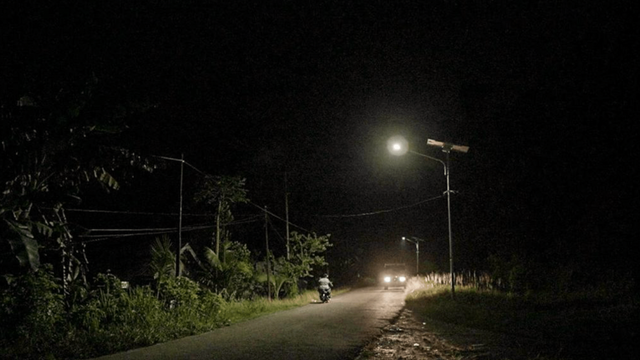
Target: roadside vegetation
pixel 595 323
pixel 36 324
pixel 52 307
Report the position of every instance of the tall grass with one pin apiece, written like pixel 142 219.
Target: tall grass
pixel 581 325
pixel 241 310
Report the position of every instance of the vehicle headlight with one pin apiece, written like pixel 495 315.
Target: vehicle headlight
pixel 402 279
pixel 387 279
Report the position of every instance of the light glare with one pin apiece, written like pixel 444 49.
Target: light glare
pixel 397 145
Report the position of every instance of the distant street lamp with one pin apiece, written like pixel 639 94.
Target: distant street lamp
pixel 398 145
pixel 417 241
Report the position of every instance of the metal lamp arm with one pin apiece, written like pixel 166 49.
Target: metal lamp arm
pixel 431 158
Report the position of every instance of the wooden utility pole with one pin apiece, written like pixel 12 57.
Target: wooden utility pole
pixel 266 237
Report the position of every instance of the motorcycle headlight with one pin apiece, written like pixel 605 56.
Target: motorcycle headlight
pixel 387 279
pixel 402 279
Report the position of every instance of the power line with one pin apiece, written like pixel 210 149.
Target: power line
pixel 381 211
pixel 279 218
pixel 276 231
pixel 131 230
pixel 152 231
pixel 123 212
pixel 111 237
pixel 131 212
pixel 192 227
pixel 147 232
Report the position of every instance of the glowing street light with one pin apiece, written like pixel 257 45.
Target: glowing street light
pixel 398 145
pixel 417 241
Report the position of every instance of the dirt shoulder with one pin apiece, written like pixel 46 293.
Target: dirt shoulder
pixel 409 337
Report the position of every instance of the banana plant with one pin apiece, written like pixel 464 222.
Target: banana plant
pixel 48 153
pixel 231 269
pixel 163 260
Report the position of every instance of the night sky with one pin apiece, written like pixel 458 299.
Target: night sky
pixel 543 93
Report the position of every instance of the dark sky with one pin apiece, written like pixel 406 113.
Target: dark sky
pixel 544 93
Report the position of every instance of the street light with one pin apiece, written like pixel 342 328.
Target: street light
pixel 182 162
pixel 416 241
pixel 398 145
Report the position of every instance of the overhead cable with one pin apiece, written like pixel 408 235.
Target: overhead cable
pixel 131 212
pixel 279 218
pixel 276 231
pixel 381 211
pixel 145 232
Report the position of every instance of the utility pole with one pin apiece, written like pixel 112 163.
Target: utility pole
pixel 266 237
pixel 286 211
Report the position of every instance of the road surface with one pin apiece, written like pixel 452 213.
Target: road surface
pixel 336 330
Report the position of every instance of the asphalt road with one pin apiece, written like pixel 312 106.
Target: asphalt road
pixel 336 330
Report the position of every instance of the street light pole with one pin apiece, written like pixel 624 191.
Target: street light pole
pixel 399 146
pixel 266 237
pixel 417 258
pixel 446 148
pixel 448 192
pixel 181 161
pixel 453 276
pixel 180 218
pixel 417 242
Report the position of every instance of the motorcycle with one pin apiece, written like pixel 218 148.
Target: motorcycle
pixel 325 295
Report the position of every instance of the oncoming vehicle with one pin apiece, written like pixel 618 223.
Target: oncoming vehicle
pixel 394 275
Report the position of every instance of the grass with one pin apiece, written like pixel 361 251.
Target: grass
pixel 138 319
pixel 582 326
pixel 243 310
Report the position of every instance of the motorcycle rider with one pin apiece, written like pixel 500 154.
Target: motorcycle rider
pixel 324 284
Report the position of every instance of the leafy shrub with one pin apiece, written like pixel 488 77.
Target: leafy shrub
pixel 33 306
pixel 515 275
pixel 104 320
pixel 110 284
pixel 229 273
pixel 179 292
pixel 212 304
pixel 87 316
pixel 291 290
pixel 146 309
pixel 90 310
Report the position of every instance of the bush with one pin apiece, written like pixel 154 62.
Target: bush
pixel 212 304
pixel 33 306
pixel 179 292
pixel 104 320
pixel 515 275
pixel 291 290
